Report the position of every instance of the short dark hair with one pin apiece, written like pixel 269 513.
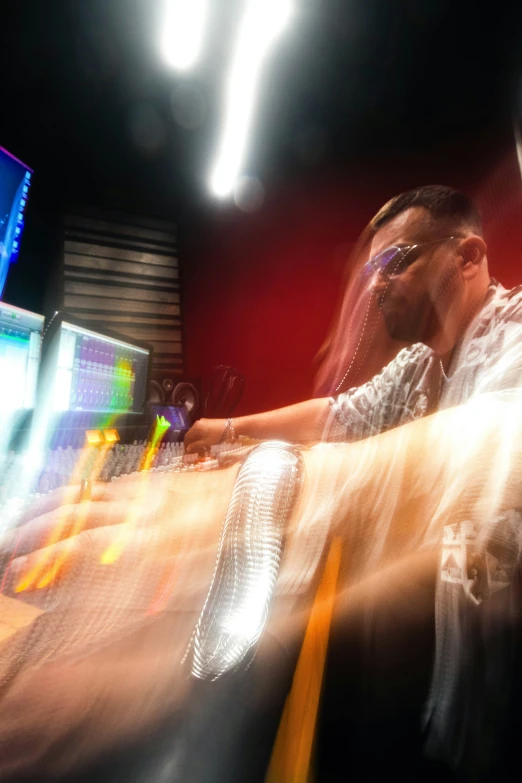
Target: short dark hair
pixel 444 204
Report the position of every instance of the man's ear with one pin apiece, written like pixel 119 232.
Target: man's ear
pixel 472 252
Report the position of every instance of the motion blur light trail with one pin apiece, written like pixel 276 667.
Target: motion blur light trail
pixel 292 752
pixel 115 550
pixel 38 574
pixel 42 574
pixel 262 23
pixel 183 32
pixel 160 428
pixel 36 571
pixel 79 522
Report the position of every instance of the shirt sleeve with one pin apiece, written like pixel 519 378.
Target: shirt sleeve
pixel 501 369
pixel 380 404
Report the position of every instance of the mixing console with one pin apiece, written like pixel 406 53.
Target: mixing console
pixel 61 466
pixel 64 466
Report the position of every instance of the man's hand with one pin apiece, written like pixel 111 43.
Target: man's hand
pixel 204 434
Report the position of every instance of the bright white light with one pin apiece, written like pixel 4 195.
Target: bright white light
pixel 262 23
pixel 182 35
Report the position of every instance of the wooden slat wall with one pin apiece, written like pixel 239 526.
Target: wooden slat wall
pixel 121 272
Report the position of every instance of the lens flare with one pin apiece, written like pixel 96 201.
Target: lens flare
pixel 183 32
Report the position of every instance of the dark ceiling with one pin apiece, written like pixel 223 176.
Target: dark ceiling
pixel 89 104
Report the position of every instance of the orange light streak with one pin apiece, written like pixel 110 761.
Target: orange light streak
pixel 292 753
pixel 42 574
pixel 113 552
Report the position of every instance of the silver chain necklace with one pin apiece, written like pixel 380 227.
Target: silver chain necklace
pixel 446 377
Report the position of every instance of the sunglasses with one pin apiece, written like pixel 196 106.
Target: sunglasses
pixel 395 259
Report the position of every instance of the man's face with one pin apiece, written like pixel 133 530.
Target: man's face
pixel 415 301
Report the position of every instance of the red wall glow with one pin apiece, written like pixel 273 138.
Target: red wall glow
pixel 260 290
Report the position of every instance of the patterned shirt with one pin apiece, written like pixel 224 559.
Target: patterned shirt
pixel 489 358
pixel 475 662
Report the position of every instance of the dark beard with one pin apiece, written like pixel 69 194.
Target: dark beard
pixel 411 326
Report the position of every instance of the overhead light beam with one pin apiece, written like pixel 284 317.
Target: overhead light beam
pixel 262 23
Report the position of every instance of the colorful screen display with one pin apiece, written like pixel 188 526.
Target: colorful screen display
pixel 176 415
pixel 15 181
pixel 96 373
pixel 20 347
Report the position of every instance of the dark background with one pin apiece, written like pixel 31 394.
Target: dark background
pixel 359 101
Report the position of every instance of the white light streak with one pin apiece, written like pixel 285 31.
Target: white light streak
pixel 183 32
pixel 263 22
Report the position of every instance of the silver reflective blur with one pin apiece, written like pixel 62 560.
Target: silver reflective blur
pixel 248 561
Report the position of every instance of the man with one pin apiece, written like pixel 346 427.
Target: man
pixel 434 291
pixel 145 546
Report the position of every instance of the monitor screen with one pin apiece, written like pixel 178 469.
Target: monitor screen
pixel 15 181
pixel 176 415
pixel 97 373
pixel 20 344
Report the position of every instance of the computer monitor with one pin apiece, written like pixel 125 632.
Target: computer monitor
pixel 94 372
pixel 15 181
pixel 20 346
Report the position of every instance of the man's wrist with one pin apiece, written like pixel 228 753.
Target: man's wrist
pixel 229 433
